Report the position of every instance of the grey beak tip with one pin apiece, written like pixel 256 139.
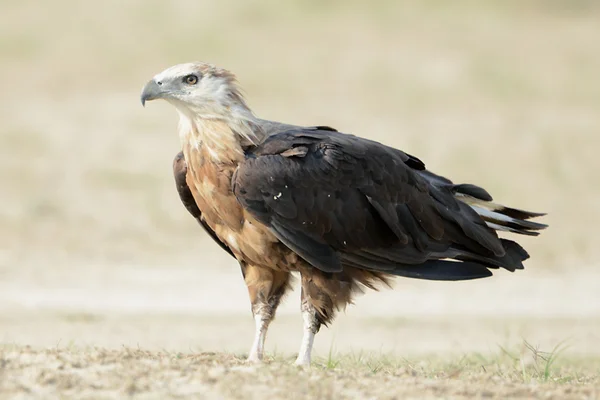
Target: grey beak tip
pixel 150 92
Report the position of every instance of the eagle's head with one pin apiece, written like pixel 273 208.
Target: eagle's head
pixel 202 94
pixel 195 88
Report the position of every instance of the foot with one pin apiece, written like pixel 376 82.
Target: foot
pixel 302 361
pixel 254 358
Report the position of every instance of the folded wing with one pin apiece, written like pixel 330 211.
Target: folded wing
pixel 339 200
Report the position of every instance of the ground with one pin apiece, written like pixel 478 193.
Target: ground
pixel 101 373
pixel 162 333
pixel 109 289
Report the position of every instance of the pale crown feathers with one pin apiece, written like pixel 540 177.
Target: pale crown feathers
pixel 202 87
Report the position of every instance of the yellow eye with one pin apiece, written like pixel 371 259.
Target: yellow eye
pixel 191 79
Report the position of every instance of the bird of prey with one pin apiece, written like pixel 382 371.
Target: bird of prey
pixel 344 212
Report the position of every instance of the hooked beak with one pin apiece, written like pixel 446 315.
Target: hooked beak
pixel 151 91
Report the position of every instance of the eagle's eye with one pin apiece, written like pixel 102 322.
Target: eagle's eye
pixel 191 79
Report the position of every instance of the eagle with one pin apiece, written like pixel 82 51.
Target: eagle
pixel 345 212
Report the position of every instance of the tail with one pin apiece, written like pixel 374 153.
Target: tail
pixel 502 218
pixel 499 218
pixel 463 259
pixel 496 216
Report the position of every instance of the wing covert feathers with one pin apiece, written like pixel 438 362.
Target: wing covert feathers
pixel 338 200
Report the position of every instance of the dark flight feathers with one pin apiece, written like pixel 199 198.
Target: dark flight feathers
pixel 339 200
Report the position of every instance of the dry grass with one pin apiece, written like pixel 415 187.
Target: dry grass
pixel 103 356
pixel 107 374
pixel 502 93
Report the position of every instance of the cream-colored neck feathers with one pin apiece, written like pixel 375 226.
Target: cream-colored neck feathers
pixel 213 113
pixel 222 128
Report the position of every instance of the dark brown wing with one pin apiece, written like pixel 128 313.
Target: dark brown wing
pixel 179 172
pixel 337 199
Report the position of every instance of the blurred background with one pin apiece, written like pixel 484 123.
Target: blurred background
pixel 503 94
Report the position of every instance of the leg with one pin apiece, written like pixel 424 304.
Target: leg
pixel 311 326
pixel 266 288
pixel 321 295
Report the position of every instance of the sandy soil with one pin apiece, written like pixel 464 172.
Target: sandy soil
pixel 106 332
pixel 108 374
pixel 550 308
